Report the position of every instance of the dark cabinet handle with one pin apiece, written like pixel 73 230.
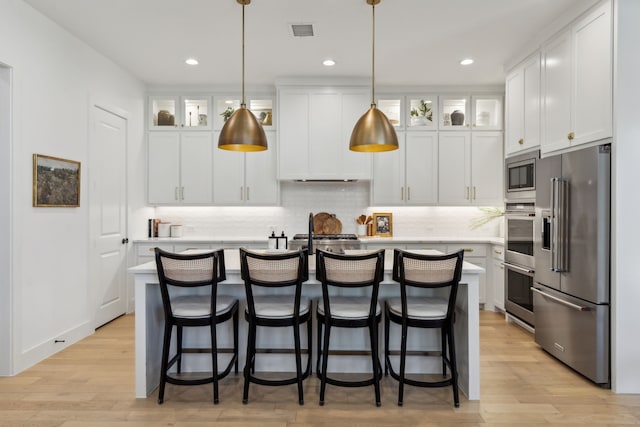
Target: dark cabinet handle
pixel 125 240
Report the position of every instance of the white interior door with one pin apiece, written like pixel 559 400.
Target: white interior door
pixel 107 194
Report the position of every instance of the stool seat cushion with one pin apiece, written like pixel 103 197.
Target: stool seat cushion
pixel 199 306
pixel 343 307
pixel 425 308
pixel 279 306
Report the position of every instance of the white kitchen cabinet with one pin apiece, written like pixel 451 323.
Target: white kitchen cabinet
pixel 476 254
pixel 409 175
pixel 179 113
pixel 179 168
pixel 497 276
pixel 245 178
pixel 577 83
pixel 315 128
pixel 470 168
pixel 487 112
pixel 522 131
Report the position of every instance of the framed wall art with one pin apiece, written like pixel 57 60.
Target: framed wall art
pixel 56 182
pixel 383 224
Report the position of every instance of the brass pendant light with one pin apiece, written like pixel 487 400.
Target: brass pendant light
pixel 242 132
pixel 373 132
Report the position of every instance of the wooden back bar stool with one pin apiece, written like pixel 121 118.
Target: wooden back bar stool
pixel 201 306
pixel 275 310
pixel 435 310
pixel 348 271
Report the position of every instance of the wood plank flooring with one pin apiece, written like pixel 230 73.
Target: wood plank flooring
pixel 92 384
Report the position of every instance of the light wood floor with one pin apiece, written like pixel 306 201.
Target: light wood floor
pixel 92 384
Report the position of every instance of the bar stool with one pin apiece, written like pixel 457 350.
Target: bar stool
pixel 440 273
pixel 275 310
pixel 349 271
pixel 201 306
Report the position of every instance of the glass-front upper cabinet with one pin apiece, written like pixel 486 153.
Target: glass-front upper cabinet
pixel 179 113
pixel 261 107
pixel 423 112
pixel 487 112
pixel 454 112
pixel 392 108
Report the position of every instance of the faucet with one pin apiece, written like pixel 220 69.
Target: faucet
pixel 310 243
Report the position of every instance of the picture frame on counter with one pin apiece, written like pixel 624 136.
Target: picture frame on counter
pixel 383 224
pixel 56 182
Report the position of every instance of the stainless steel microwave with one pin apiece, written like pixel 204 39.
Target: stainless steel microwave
pixel 520 177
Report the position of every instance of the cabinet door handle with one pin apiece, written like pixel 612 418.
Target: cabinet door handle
pixel 474 125
pixel 521 141
pixel 468 249
pixel 401 193
pixel 467 196
pixel 474 192
pixel 408 193
pixel 241 193
pixel 497 251
pixel 570 136
pixel 181 193
pixel 247 193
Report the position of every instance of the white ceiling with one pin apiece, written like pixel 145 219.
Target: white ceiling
pixel 418 42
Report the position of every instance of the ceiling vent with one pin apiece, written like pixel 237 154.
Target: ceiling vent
pixel 302 30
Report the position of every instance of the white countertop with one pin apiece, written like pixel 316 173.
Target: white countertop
pixel 364 240
pixel 232 261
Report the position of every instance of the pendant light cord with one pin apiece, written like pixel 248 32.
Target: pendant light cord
pixel 243 104
pixel 373 54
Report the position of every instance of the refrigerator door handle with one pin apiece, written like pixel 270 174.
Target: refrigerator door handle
pixel 559 300
pixel 559 217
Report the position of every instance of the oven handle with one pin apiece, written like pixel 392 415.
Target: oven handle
pixel 559 300
pixel 517 267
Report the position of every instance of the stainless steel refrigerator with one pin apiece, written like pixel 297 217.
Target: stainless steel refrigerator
pixel 572 257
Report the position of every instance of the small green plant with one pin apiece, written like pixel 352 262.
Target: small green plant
pixel 227 113
pixel 423 110
pixel 488 215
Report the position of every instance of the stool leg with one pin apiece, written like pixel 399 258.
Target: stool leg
pixel 309 345
pixel 443 339
pixel 251 342
pixel 387 360
pixel 165 360
pixel 235 339
pixel 179 347
pixel 325 357
pixel 214 360
pixel 454 366
pixel 403 360
pixel 375 360
pixel 296 343
pixel 319 345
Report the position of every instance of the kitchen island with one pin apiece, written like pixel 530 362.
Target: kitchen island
pixel 149 325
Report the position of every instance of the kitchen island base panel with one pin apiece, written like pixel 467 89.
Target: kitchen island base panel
pixel 149 322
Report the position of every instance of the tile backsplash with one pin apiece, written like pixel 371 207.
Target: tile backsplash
pixel 347 200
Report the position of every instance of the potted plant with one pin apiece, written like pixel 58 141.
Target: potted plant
pixel 421 114
pixel 227 113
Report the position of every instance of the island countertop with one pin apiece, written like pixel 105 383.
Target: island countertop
pixel 149 323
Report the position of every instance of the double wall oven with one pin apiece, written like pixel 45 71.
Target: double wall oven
pixel 520 195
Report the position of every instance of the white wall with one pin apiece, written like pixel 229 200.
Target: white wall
pixel 5 219
pixel 625 201
pixel 55 76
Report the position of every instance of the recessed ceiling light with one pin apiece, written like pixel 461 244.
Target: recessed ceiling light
pixel 328 62
pixel 467 61
pixel 191 61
